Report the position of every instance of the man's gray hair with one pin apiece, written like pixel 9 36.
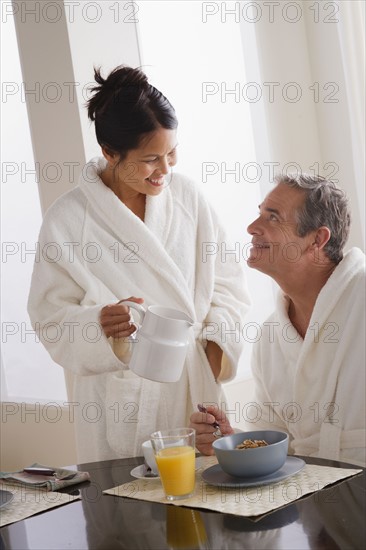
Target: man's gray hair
pixel 324 205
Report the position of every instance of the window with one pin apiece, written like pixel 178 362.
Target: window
pixel 28 373
pixel 201 75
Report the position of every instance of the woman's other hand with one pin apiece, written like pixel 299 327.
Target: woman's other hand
pixel 203 424
pixel 115 319
pixel 214 357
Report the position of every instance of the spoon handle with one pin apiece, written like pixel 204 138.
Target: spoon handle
pixel 148 471
pixel 39 471
pixel 203 409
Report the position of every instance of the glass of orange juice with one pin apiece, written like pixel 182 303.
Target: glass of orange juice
pixel 175 456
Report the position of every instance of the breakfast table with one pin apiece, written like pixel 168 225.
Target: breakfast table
pixel 331 517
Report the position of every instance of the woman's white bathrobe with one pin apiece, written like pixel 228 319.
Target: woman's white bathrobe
pixel 93 251
pixel 315 388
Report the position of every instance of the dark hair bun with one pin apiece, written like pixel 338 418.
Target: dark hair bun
pixel 122 80
pixel 125 107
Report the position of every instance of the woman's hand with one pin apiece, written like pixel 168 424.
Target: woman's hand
pixel 115 319
pixel 202 423
pixel 214 357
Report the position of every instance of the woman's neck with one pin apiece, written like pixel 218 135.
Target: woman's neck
pixel 135 201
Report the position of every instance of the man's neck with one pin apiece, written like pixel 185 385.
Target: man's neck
pixel 303 293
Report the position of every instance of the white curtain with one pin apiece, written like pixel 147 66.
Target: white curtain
pixel 309 63
pixel 351 32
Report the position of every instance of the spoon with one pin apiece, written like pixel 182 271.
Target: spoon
pixel 215 424
pixel 147 471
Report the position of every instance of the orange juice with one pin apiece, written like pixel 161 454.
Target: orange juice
pixel 177 469
pixel 184 528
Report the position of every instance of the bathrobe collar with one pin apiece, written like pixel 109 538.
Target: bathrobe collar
pixel 150 236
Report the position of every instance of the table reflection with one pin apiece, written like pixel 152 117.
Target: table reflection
pixel 185 529
pixel 324 517
pixel 122 523
pixel 329 519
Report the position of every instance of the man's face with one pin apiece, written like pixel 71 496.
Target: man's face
pixel 276 246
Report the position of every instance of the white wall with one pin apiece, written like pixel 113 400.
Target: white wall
pixel 311 55
pixel 35 433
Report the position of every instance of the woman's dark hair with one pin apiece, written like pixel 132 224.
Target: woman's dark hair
pixel 125 107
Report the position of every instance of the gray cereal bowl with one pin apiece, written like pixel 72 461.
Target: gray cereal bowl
pixel 248 463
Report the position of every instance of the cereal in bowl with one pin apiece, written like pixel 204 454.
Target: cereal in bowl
pixel 252 444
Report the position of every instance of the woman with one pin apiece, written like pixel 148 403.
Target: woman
pixel 131 230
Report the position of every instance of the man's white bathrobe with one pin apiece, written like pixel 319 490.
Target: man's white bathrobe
pixel 93 251
pixel 315 388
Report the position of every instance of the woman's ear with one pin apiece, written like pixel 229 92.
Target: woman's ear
pixel 110 157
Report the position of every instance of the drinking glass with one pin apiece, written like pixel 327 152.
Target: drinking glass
pixel 175 456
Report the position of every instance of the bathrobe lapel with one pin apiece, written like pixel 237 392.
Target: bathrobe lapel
pixel 326 340
pixel 325 354
pixel 148 237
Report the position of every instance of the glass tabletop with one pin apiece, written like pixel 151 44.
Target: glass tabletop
pixel 331 518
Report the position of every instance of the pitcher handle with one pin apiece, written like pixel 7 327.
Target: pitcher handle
pixel 140 310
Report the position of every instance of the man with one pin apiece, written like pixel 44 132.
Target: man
pixel 309 364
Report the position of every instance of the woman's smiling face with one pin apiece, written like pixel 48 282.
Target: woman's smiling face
pixel 144 169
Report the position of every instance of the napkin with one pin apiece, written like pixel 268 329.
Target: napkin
pixel 62 478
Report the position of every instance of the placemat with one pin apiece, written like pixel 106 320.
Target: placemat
pixel 29 501
pixel 249 501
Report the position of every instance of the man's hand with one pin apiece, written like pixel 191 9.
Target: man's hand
pixel 202 423
pixel 115 319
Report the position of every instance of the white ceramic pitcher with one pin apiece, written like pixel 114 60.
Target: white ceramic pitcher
pixel 161 344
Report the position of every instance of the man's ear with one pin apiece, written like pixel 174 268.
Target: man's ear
pixel 321 237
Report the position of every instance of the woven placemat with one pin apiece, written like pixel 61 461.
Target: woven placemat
pixel 28 501
pixel 240 501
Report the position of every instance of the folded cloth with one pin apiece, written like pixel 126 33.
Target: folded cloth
pixel 60 479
